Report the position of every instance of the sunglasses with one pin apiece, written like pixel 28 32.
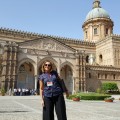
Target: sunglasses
pixel 49 65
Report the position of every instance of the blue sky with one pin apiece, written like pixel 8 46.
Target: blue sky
pixel 63 18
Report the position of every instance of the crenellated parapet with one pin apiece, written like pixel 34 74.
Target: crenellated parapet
pixel 108 38
pixel 12 33
pixel 107 68
pixel 24 36
pixel 115 36
pixel 74 41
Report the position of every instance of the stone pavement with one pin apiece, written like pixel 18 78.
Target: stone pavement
pixel 29 108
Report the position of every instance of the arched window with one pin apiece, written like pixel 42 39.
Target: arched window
pixel 105 76
pixel 113 76
pixel 95 31
pixel 106 31
pixel 98 75
pixel 86 35
pixel 89 75
pixel 100 58
pixel 87 59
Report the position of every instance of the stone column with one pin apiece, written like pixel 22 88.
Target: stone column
pixel 36 72
pixel 81 73
pixel 2 83
pixel 15 66
pixel 36 82
pixel 8 84
pixel 58 69
pixel 77 74
pixel 13 84
pixel 3 65
pixel 84 73
pixel 73 85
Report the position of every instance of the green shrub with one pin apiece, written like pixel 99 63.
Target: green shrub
pixel 71 96
pixel 98 90
pixel 90 96
pixel 109 86
pixel 2 91
pixel 94 97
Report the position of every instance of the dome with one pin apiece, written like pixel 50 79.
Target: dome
pixel 97 13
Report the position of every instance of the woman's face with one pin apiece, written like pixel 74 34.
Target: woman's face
pixel 47 67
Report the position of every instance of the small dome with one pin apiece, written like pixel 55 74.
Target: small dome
pixel 97 13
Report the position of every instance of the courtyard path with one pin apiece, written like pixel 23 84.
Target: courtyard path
pixel 29 108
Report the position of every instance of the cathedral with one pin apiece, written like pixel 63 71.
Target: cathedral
pixel 84 65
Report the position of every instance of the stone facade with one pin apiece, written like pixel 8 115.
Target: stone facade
pixel 83 65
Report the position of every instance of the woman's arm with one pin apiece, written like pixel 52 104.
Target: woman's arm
pixel 41 92
pixel 64 88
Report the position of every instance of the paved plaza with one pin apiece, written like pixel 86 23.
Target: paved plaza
pixel 29 108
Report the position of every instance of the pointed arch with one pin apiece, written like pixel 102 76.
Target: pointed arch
pixel 50 59
pixel 66 72
pixel 69 64
pixel 26 60
pixel 26 74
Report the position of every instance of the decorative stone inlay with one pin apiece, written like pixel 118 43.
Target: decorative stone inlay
pixel 59 47
pixel 49 46
pixel 36 52
pixel 30 51
pixel 46 44
pixel 31 44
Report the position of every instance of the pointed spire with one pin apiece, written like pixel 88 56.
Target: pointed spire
pixel 96 4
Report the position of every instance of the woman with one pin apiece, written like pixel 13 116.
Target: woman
pixel 51 93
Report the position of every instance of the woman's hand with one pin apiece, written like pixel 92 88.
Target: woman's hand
pixel 67 94
pixel 43 104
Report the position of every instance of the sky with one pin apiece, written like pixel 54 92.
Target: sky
pixel 62 18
